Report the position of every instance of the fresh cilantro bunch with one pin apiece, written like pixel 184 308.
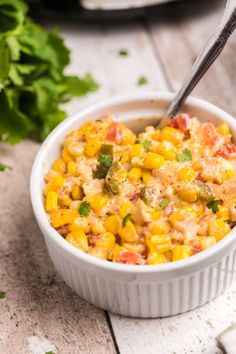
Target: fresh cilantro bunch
pixel 32 79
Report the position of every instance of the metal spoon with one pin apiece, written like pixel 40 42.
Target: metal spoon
pixel 209 53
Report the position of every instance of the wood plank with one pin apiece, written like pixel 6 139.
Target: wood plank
pixel 40 313
pixel 178 37
pixel 97 51
pixel 178 43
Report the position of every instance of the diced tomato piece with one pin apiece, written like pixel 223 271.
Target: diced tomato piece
pixel 209 134
pixel 227 151
pixel 115 133
pixel 182 122
pixel 129 257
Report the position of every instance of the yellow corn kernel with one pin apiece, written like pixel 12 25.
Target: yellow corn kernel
pixel 98 228
pixel 137 150
pixel 155 215
pixel 218 228
pixel 173 135
pixel 155 258
pixel 64 201
pixel 66 157
pixel 124 158
pixel 84 128
pixel 223 129
pixel 90 132
pixel 97 202
pixel 51 201
pixel 207 242
pixel 135 174
pixel 98 252
pixel 146 176
pixel 181 252
pixel 59 166
pixel 228 174
pixel 63 216
pixel 112 224
pixel 80 222
pixel 158 243
pixel 126 208
pixel 106 240
pixel 121 174
pixel 187 192
pixel 168 256
pixel 116 252
pixel 152 160
pixel 71 168
pixel 168 150
pixel 55 183
pixel 128 233
pixel 186 173
pixel 75 149
pixel 78 239
pixel 92 147
pixel 77 192
pixel 160 227
pixel 181 214
pixel 223 212
pixel 128 136
pixel 156 135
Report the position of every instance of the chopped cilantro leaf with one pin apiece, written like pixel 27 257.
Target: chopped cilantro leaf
pixel 3 167
pixel 49 352
pixel 126 218
pixel 142 80
pixel 163 204
pixel 105 160
pixel 33 82
pixel 145 143
pixel 123 52
pixel 2 294
pixel 186 155
pixel 84 209
pixel 213 205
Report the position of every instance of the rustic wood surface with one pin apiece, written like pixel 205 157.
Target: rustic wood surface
pixel 39 312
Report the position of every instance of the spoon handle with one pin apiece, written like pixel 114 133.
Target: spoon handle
pixel 210 52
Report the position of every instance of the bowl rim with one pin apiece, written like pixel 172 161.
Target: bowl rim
pixel 52 235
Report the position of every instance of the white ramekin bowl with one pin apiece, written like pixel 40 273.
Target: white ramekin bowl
pixel 137 291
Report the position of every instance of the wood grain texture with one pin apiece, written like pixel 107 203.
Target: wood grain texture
pixel 178 43
pixel 40 313
pixel 177 38
pixel 37 304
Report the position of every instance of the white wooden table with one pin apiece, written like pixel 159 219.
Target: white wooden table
pixel 40 313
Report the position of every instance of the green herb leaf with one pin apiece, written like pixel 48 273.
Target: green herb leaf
pixel 126 218
pixel 142 80
pixel 186 155
pixel 3 167
pixel 163 204
pixel 123 52
pixel 146 143
pixel 33 83
pixel 84 209
pixel 105 160
pixel 2 294
pixel 213 205
pixel 50 352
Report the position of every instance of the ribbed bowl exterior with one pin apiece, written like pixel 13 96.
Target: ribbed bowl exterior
pixel 136 291
pixel 128 296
